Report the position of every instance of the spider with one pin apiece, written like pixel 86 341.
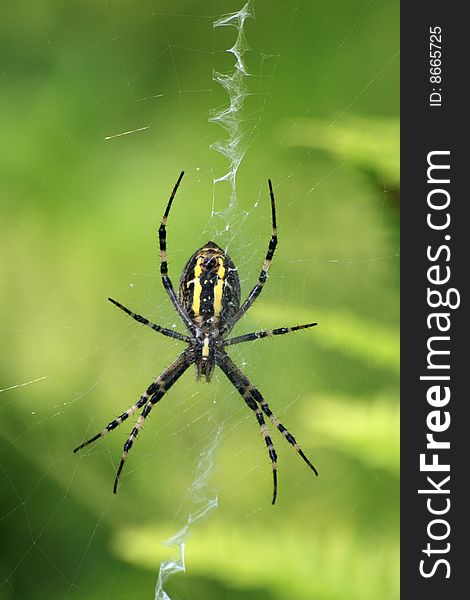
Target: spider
pixel 208 303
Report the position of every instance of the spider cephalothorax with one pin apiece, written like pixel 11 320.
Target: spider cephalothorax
pixel 208 303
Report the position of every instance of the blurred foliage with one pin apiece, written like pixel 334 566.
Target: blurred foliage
pixel 370 143
pixel 80 210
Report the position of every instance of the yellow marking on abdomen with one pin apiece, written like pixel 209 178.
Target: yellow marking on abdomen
pixel 197 288
pixel 219 288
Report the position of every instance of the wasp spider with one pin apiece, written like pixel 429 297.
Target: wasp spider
pixel 208 303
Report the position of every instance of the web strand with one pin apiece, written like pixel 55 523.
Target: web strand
pixel 231 117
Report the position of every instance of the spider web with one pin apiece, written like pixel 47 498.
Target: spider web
pixel 99 126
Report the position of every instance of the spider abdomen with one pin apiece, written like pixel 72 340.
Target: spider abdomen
pixel 209 288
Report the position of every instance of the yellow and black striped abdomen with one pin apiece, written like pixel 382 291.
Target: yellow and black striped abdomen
pixel 209 286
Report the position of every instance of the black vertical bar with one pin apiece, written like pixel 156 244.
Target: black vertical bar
pixel 431 123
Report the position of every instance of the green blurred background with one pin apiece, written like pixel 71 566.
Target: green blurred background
pixel 79 215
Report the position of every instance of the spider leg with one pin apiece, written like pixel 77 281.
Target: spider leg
pixel 256 291
pixel 116 422
pixel 253 397
pixel 257 335
pixel 241 383
pixel 163 330
pixel 164 264
pixel 150 391
pixel 161 385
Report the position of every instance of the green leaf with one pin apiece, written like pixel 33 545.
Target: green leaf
pixel 367 429
pixel 279 559
pixel 370 143
pixel 346 332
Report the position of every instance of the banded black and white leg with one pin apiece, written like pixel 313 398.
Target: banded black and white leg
pixel 241 383
pixel 163 384
pixel 140 319
pixel 258 404
pixel 150 397
pixel 118 420
pixel 288 436
pixel 258 288
pixel 257 335
pixel 164 262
